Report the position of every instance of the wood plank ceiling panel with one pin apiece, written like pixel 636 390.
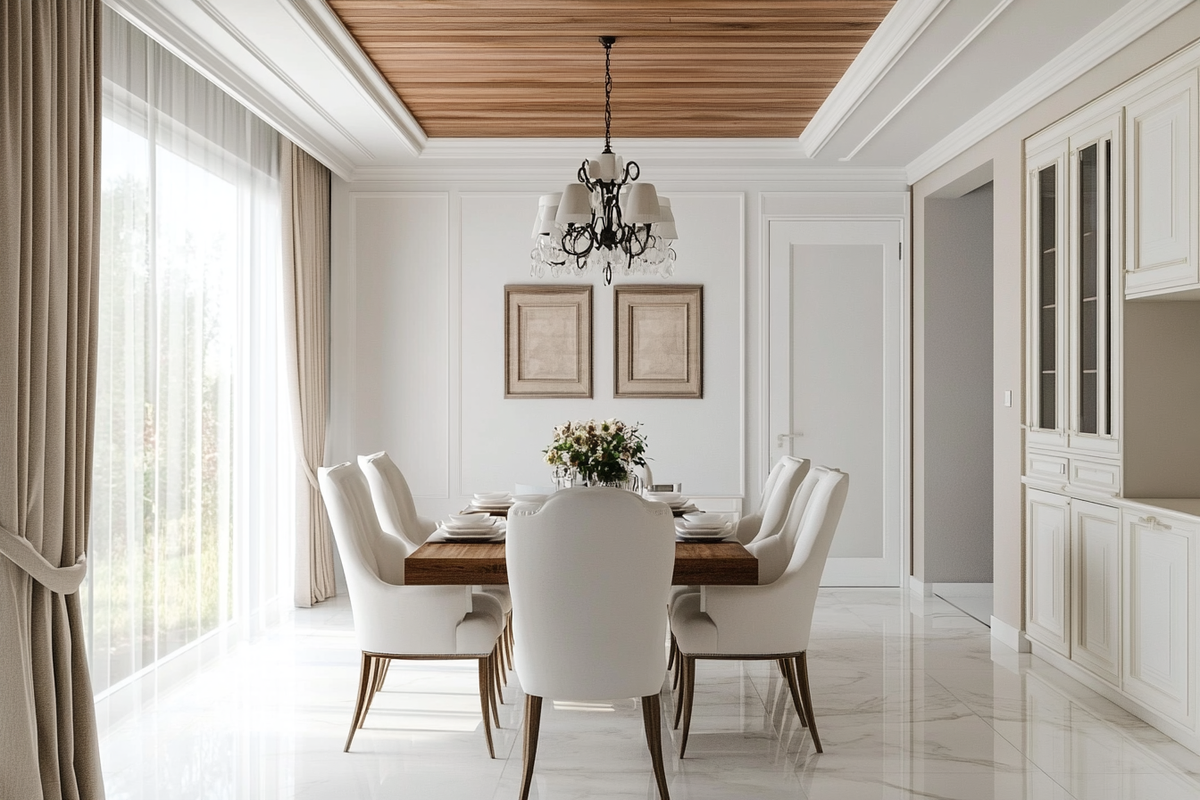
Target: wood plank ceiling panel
pixel 701 68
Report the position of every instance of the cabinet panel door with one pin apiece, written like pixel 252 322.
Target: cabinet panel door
pixel 1049 581
pixel 1159 614
pixel 1161 145
pixel 1096 604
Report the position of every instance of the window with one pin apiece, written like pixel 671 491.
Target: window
pixel 192 430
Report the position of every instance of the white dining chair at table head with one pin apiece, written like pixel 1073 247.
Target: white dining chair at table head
pixel 589 572
pixel 395 621
pixel 771 621
pixel 780 486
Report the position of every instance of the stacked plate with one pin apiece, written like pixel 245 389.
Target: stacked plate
pixel 475 527
pixel 492 501
pixel 678 503
pixel 706 527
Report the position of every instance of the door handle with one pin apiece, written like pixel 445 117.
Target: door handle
pixel 779 439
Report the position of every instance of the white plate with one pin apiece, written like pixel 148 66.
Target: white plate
pixel 491 505
pixel 454 536
pixel 450 533
pixel 704 519
pixel 471 527
pixel 687 537
pixel 493 497
pixel 473 518
pixel 697 531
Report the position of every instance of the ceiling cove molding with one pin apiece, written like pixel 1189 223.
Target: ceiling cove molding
pixel 573 151
pixel 178 38
pixel 1118 31
pixel 327 31
pixel 548 177
pixel 221 20
pixel 933 73
pixel 899 30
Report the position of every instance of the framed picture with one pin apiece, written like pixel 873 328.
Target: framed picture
pixel 548 341
pixel 659 348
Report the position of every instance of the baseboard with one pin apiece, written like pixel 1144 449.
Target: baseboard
pixel 1010 637
pixel 919 587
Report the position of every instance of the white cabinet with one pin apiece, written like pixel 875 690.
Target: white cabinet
pixel 1162 164
pixel 1160 556
pixel 1048 575
pixel 1073 201
pixel 1096 588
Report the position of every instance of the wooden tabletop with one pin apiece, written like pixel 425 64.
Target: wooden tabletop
pixel 470 563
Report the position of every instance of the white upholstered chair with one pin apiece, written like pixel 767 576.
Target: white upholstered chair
pixel 778 490
pixel 394 621
pixel 771 621
pixel 397 513
pixel 589 572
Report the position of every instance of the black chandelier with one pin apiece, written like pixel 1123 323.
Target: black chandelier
pixel 606 220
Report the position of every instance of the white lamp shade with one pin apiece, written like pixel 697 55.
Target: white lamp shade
pixel 642 204
pixel 575 207
pixel 665 229
pixel 547 209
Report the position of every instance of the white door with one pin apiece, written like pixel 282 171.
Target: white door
pixel 838 378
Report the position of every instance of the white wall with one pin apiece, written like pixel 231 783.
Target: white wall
pixel 1003 149
pixel 420 264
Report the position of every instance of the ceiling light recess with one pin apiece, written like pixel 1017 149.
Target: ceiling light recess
pixel 605 221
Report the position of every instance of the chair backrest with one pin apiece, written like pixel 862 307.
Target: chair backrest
pixel 589 571
pixel 802 578
pixel 368 554
pixel 781 485
pixel 393 499
pixel 775 552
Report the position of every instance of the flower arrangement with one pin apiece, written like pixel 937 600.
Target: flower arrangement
pixel 596 451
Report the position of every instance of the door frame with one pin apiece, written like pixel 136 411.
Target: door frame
pixel 897 452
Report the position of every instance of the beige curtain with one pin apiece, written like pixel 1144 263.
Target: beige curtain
pixel 49 215
pixel 305 189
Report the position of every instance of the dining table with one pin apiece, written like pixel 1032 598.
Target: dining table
pixel 477 563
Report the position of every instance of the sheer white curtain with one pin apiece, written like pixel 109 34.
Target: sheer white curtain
pixel 192 426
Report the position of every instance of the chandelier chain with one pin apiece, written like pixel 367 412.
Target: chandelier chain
pixel 607 95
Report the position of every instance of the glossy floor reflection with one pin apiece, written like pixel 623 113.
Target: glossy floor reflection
pixel 912 700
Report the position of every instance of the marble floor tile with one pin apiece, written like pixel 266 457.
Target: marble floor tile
pixel 913 700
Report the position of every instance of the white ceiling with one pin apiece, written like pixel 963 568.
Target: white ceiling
pixel 937 76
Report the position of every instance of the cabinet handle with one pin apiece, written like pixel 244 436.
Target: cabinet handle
pixel 1154 523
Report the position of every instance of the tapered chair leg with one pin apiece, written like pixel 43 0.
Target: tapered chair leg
pixel 383 671
pixel 378 665
pixel 364 682
pixel 806 694
pixel 651 718
pixel 689 687
pixel 681 683
pixel 533 721
pixel 498 664
pixel 671 652
pixel 789 674
pixel 485 701
pixel 493 687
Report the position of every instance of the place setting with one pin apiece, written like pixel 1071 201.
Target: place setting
pixel 679 504
pixel 703 527
pixel 492 502
pixel 471 527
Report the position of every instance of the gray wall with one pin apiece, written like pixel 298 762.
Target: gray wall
pixel 958 388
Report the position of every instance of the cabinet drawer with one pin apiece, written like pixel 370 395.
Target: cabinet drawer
pixel 1100 475
pixel 1046 467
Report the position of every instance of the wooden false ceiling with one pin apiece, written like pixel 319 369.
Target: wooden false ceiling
pixel 701 68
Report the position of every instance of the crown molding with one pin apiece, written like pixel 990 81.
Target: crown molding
pixel 575 150
pixel 704 175
pixel 327 32
pixel 1118 31
pixel 933 73
pixel 902 27
pixel 176 36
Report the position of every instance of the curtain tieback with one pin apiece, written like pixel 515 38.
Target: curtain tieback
pixel 63 580
pixel 310 474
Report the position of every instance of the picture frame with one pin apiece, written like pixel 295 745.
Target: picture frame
pixel 658 347
pixel 547 341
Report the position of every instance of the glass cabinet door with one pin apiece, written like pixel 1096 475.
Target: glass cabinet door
pixel 1092 276
pixel 1045 251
